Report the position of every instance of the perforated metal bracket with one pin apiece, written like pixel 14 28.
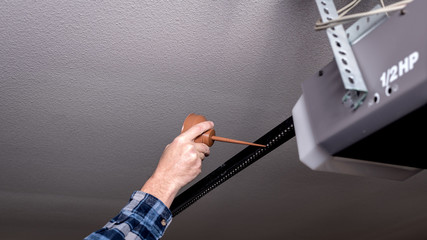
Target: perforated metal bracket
pixel 364 26
pixel 344 57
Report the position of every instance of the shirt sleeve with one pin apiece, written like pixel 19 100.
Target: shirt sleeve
pixel 144 218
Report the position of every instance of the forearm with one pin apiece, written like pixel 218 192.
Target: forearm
pixel 144 217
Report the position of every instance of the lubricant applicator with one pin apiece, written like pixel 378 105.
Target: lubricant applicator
pixel 209 137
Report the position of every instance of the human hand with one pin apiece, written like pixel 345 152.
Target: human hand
pixel 180 163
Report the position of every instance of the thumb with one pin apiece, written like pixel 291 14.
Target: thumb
pixel 197 130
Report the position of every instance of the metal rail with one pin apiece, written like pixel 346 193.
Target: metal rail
pixel 273 139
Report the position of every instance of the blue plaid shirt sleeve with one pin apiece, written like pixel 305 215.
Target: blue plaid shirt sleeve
pixel 144 217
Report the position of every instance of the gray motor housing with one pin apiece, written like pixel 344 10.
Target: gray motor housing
pixel 380 137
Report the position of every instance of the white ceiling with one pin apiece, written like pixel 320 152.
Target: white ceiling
pixel 92 91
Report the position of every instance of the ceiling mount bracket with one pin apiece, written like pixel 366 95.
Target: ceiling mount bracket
pixel 351 75
pixel 364 26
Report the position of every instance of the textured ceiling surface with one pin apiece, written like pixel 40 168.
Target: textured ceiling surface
pixel 92 91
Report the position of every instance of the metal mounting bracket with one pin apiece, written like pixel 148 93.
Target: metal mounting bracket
pixel 364 26
pixel 344 57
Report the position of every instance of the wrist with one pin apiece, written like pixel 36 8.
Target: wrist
pixel 161 188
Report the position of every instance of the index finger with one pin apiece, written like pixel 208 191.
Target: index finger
pixel 197 130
